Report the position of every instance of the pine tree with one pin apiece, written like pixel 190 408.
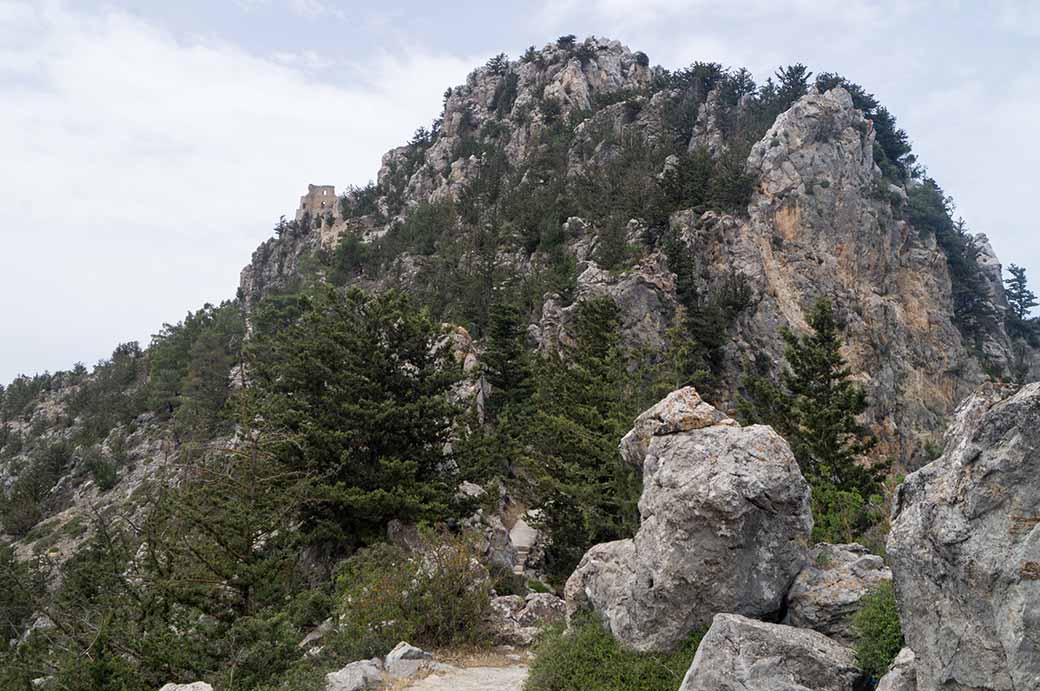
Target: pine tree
pixel 358 392
pixel 815 408
pixel 506 362
pixel 793 83
pixel 583 406
pixel 1019 297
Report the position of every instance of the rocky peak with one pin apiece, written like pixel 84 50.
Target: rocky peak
pixel 822 222
pixel 822 140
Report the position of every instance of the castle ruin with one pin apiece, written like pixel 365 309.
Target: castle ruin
pixel 319 201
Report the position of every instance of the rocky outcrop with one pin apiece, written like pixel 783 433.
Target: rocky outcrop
pixel 645 296
pixel 516 620
pixel 965 548
pixel 194 686
pixel 724 525
pixel 826 594
pixel 740 654
pixel 902 675
pixel 707 130
pixel 819 227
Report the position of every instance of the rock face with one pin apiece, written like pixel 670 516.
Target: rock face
pixel 724 524
pixel 364 674
pixel 902 675
pixel 826 594
pixel 818 227
pixel 965 548
pixel 740 654
pixel 195 686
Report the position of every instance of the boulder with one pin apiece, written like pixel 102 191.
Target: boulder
pixel 965 548
pixel 515 620
pixel 680 411
pixel 901 676
pixel 405 660
pixel 194 686
pixel 826 594
pixel 725 522
pixel 741 654
pixel 364 674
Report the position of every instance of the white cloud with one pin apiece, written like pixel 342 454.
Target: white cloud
pixel 141 170
pixel 1019 17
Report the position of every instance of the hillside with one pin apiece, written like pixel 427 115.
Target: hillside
pixel 443 362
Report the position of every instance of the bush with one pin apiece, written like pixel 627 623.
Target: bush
pixel 880 635
pixel 437 598
pixel 589 658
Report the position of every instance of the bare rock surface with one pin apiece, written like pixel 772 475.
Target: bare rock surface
pixel 902 675
pixel 741 654
pixel 406 660
pixel 826 594
pixel 965 548
pixel 509 678
pixel 363 674
pixel 724 524
pixel 195 686
pixel 682 410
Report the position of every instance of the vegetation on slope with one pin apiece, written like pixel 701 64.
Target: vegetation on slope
pixel 345 415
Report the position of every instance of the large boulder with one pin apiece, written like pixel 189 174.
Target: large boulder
pixel 194 686
pixel 363 674
pixel 826 594
pixel 741 654
pixel 724 525
pixel 965 548
pixel 902 675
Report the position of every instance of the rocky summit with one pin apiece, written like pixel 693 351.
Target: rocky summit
pixel 616 377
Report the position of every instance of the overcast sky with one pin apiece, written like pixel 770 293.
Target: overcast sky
pixel 147 147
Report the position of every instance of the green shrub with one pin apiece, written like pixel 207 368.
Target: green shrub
pixel 438 598
pixel 589 658
pixel 102 469
pixel 880 635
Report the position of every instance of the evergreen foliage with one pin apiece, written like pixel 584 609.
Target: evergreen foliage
pixel 582 405
pixel 436 600
pixel 929 210
pixel 358 391
pixel 507 362
pixel 878 630
pixel 815 406
pixel 1021 300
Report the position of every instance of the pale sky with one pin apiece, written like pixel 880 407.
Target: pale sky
pixel 147 147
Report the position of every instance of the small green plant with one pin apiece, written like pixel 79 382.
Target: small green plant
pixel 538 587
pixel 589 658
pixel 880 635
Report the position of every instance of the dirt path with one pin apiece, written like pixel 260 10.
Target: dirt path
pixel 509 678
